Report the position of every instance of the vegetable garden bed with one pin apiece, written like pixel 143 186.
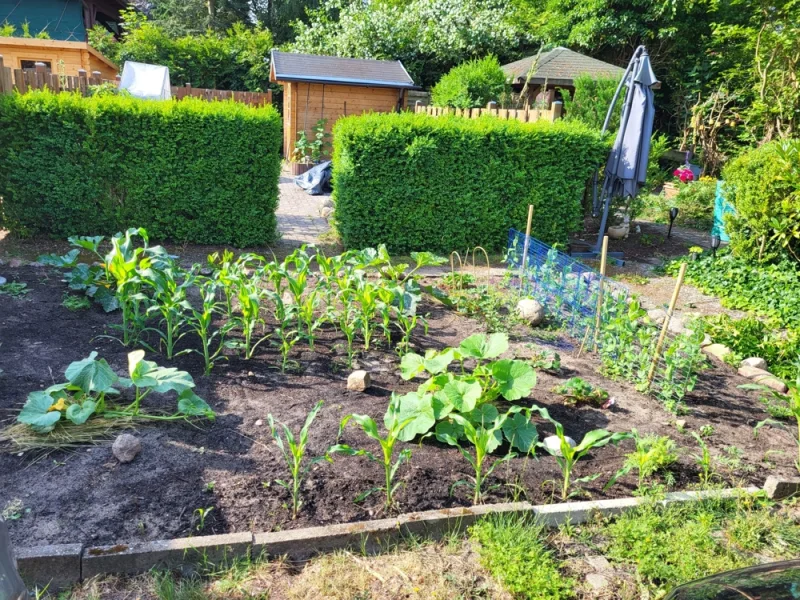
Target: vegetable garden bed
pixel 232 464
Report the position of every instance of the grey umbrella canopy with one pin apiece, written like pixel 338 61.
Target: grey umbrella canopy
pixel 626 167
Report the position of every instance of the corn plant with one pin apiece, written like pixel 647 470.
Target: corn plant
pixel 293 450
pixel 791 402
pixel 567 456
pixel 286 330
pixel 366 295
pixel 226 273
pixel 486 439
pixel 394 424
pixel 250 296
pixel 348 320
pixel 307 313
pixel 169 286
pixel 201 320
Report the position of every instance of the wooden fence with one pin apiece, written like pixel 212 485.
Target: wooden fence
pixel 526 115
pixel 35 79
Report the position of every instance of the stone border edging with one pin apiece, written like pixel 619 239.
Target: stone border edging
pixel 66 564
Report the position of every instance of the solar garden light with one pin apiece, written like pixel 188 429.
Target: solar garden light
pixel 715 241
pixel 673 214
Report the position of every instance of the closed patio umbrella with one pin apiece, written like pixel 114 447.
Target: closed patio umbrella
pixel 626 168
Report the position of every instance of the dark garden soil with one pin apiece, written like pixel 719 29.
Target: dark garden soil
pixel 86 496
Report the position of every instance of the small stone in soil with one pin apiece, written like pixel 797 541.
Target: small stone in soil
pixel 258 423
pixel 126 447
pixel 552 444
pixel 680 424
pixel 358 381
pixel 596 581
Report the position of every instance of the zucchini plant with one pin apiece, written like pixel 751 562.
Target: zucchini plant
pixel 468 393
pixel 91 384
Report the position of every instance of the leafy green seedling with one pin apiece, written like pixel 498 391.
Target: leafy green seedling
pixel 75 303
pixel 14 289
pixel 202 515
pixel 294 452
pixel 653 453
pixel 571 455
pixel 394 425
pixel 576 390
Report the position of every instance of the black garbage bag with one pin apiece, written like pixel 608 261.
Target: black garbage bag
pixel 316 180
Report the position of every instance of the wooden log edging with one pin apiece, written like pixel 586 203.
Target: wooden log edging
pixel 62 565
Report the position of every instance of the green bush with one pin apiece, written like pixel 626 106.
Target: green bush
pixel 472 84
pixel 235 60
pixel 695 203
pixel 589 104
pixel 189 171
pixel 448 183
pixel 763 185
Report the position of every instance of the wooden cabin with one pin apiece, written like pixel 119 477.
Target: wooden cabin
pixel 329 87
pixel 58 56
pixel 66 20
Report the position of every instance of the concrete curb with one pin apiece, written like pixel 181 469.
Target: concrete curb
pixel 64 565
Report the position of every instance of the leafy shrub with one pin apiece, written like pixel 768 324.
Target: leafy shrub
pixel 514 551
pixel 763 185
pixel 472 84
pixel 235 60
pixel 769 290
pixel 751 337
pixel 189 171
pixel 695 204
pixel 414 181
pixel 589 104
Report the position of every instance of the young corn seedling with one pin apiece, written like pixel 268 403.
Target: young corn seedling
pixel 486 439
pixel 347 319
pixel 169 300
pixel 226 274
pixel 567 456
pixel 293 450
pixel 394 424
pixel 307 313
pixel 286 332
pixel 367 296
pixel 201 320
pixel 249 295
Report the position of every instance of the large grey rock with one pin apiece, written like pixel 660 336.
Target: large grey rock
pixel 358 381
pixel 599 563
pixel 326 211
pixel 753 372
pixel 778 488
pixel 677 325
pixel 552 444
pixel 530 310
pixel 126 447
pixel 597 581
pixel 754 361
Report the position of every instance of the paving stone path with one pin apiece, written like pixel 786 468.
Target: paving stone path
pixel 298 214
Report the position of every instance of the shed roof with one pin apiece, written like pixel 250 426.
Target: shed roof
pixel 560 66
pixel 311 68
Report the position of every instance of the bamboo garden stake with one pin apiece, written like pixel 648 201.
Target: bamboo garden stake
pixel 603 256
pixel 525 246
pixel 673 301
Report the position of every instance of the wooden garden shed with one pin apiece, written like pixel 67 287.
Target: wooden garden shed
pixel 329 87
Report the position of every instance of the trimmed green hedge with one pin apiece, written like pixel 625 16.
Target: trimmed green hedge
pixel 188 171
pixel 447 183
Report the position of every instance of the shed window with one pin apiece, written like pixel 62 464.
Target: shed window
pixel 31 64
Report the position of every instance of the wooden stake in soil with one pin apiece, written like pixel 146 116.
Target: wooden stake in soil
pixel 603 255
pixel 673 301
pixel 488 265
pixel 525 246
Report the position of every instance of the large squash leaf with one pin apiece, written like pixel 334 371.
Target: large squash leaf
pixel 37 413
pixel 418 408
pixel 192 405
pixel 482 347
pixel 516 379
pixel 92 375
pixel 521 432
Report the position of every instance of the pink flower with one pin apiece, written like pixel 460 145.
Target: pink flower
pixel 684 174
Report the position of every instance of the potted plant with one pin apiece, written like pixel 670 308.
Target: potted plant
pixel 684 175
pixel 309 152
pixel 695 252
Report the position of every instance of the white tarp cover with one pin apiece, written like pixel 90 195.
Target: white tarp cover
pixel 150 82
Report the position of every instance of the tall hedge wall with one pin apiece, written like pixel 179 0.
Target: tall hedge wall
pixel 447 183
pixel 188 171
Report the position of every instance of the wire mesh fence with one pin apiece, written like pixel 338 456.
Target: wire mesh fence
pixel 606 318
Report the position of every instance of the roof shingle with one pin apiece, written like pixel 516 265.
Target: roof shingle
pixel 311 68
pixel 560 66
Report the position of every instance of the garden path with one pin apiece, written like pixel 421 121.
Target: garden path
pixel 298 214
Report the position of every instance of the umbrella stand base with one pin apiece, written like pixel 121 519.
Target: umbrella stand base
pixel 615 257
